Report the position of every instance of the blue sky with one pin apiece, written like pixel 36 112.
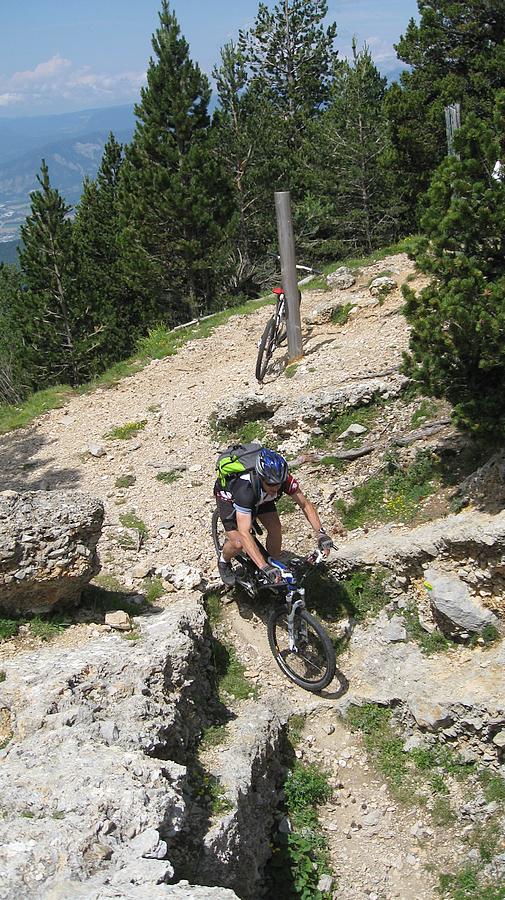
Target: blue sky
pixel 64 55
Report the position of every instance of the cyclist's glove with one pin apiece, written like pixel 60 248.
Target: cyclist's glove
pixel 324 542
pixel 271 573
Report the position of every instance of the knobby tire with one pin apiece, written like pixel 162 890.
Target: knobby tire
pixel 215 529
pixel 322 657
pixel 267 346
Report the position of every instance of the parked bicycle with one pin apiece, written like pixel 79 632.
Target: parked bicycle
pixel 301 647
pixel 275 332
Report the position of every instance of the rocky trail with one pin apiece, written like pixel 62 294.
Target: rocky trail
pixel 145 700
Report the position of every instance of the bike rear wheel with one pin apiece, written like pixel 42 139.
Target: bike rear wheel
pixel 312 664
pixel 267 346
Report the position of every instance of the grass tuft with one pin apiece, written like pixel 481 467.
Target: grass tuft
pixel 8 628
pixel 125 481
pixel 213 608
pixel 17 416
pixel 47 628
pixel 213 736
pixel 492 785
pixel 427 409
pixel 168 477
pixel 412 775
pixel 230 674
pixel 126 431
pixel 429 642
pixel 340 315
pixel 132 521
pixel 152 589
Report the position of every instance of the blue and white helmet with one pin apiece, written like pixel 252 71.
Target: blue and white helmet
pixel 271 466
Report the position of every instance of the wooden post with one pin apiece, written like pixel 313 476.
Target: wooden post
pixel 288 270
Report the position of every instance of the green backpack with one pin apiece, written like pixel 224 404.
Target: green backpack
pixel 237 459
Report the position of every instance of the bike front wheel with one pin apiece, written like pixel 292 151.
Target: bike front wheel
pixel 267 346
pixel 218 532
pixel 311 663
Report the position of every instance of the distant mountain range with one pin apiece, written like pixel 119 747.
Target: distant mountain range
pixel 72 146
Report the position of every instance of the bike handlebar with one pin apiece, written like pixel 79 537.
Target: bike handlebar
pixel 313 559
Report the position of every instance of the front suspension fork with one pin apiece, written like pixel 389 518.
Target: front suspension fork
pixel 296 631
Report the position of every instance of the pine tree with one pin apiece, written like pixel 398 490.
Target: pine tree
pixel 15 374
pixel 458 322
pixel 456 54
pixel 287 60
pixel 106 315
pixel 354 144
pixel 175 201
pixel 291 57
pixel 246 129
pixel 47 269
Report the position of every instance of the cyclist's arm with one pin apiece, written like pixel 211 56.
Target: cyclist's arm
pixel 308 509
pixel 244 524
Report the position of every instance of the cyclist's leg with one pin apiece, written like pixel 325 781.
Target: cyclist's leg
pixel 226 512
pixel 270 519
pixel 232 544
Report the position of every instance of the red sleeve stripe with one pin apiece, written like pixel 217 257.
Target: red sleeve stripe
pixel 291 485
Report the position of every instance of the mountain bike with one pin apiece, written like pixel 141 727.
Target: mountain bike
pixel 301 647
pixel 275 332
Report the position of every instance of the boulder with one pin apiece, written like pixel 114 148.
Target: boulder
pixel 453 607
pixel 324 405
pixel 322 314
pixel 354 430
pixel 382 285
pixel 47 548
pixel 186 577
pixel 237 410
pixel 342 278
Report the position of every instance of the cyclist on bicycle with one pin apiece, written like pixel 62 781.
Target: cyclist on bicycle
pixel 253 495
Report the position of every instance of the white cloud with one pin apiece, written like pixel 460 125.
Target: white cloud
pixel 43 72
pixel 57 82
pixel 9 99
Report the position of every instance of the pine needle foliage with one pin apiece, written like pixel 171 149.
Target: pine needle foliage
pixel 456 348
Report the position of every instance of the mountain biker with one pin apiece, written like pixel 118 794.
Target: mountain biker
pixel 253 495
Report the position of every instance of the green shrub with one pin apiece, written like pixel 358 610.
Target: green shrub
pixel 305 787
pixel 301 857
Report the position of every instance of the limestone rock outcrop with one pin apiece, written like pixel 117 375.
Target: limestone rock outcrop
pixel 47 548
